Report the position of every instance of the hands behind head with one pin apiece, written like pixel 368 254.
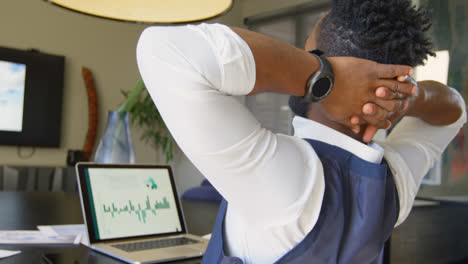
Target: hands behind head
pixel 366 92
pixel 381 110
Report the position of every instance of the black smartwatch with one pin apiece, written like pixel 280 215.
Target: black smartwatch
pixel 320 84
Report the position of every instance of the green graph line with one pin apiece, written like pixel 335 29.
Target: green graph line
pixel 140 212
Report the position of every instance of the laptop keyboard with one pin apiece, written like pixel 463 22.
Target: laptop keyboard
pixel 157 243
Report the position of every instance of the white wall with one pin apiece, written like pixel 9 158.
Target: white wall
pixel 108 49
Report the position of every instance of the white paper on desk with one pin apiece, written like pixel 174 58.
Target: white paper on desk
pixel 32 237
pixel 79 231
pixel 8 253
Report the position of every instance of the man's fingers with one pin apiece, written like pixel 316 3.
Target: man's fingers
pixel 369 109
pixel 375 116
pixel 356 129
pixel 369 133
pixel 354 123
pixel 394 105
pixel 386 71
pixel 407 78
pixel 403 78
pixel 398 87
pixel 356 120
pixel 385 93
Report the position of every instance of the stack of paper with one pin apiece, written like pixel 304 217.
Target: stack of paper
pixel 59 234
pixel 8 253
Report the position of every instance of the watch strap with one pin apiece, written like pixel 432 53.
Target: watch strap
pixel 320 83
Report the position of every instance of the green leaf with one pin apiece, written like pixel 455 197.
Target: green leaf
pixel 145 115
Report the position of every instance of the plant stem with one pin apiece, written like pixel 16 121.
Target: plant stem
pixel 132 97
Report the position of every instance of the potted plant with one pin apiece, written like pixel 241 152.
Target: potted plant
pixel 144 114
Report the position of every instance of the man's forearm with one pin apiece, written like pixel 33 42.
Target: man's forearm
pixel 436 104
pixel 280 67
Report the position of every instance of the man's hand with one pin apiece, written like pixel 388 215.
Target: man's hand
pixel 433 102
pixel 285 69
pixel 360 82
pixel 393 117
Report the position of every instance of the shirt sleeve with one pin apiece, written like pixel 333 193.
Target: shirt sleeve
pixel 190 72
pixel 411 150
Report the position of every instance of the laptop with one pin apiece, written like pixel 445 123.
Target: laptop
pixel 132 212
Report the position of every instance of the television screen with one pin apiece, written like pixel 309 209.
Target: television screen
pixel 31 88
pixel 12 81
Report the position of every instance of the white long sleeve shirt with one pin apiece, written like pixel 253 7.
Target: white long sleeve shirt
pixel 273 183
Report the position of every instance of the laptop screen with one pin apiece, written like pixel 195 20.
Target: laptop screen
pixel 129 201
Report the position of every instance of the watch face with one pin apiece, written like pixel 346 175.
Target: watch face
pixel 320 84
pixel 321 87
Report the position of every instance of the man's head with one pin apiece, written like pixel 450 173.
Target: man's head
pixel 385 31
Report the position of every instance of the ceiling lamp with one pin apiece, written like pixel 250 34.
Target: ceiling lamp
pixel 149 11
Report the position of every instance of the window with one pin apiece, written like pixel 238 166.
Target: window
pixel 449 32
pixel 291 26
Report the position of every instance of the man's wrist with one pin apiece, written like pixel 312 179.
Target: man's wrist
pixel 436 104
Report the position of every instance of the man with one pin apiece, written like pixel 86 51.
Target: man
pixel 321 196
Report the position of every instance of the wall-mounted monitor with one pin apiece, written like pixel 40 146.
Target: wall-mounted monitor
pixel 31 89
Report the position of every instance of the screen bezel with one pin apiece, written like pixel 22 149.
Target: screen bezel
pixel 81 168
pixel 43 99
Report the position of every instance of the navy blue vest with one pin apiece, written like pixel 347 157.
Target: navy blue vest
pixel 359 210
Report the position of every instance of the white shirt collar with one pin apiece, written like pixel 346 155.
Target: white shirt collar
pixel 306 128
